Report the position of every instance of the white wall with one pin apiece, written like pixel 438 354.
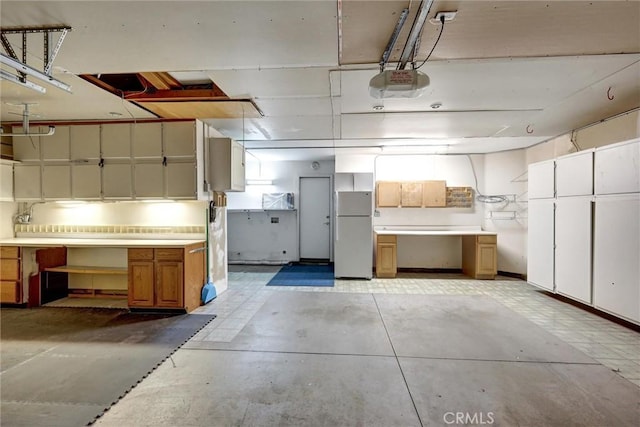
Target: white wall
pixel 7 211
pixel 120 213
pixel 252 237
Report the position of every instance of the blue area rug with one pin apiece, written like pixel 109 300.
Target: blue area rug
pixel 303 275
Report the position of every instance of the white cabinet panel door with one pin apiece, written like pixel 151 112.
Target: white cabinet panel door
pixel 56 182
pixel 85 142
pixel 116 141
pixel 147 140
pixel 181 180
pixel 616 168
pixel 27 182
pixel 573 248
pixel 149 180
pixel 616 255
pixel 541 180
pixel 85 182
pixel 540 241
pixel 237 166
pixel 574 174
pixel 116 181
pixel 179 139
pixel 56 146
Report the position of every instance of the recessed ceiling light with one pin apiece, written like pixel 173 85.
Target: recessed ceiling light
pixel 436 105
pixel 378 107
pixel 115 114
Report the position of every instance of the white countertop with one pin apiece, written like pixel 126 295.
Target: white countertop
pixel 403 231
pixel 111 243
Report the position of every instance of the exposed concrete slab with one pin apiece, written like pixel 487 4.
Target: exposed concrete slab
pixel 312 323
pixel 215 388
pixel 525 394
pixel 468 327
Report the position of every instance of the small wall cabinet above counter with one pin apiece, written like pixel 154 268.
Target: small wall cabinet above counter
pixel 227 164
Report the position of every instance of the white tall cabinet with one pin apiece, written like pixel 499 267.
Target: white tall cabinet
pixel 616 251
pixel 573 225
pixel 540 241
pixel 595 217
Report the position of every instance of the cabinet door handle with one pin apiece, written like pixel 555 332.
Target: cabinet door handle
pixel 193 251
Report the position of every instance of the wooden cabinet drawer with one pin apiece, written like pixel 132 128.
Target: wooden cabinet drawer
pixel 487 239
pixel 9 292
pixel 10 269
pixel 169 254
pixel 387 238
pixel 9 252
pixel 141 254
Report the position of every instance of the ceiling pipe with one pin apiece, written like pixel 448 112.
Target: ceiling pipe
pixel 416 29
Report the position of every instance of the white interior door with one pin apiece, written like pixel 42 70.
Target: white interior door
pixel 315 218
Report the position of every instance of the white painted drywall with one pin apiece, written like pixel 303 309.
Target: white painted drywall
pixel 252 237
pixel 7 211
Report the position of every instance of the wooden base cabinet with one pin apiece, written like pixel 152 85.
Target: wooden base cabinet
pixel 386 256
pixel 479 256
pixel 10 275
pixel 166 277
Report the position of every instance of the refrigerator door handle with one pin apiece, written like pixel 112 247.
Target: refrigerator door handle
pixel 337 230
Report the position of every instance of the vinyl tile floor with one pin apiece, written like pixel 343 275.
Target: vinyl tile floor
pixel 420 349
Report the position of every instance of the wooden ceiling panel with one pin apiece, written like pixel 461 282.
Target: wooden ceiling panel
pixel 222 109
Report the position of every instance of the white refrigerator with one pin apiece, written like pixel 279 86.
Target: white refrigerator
pixel 353 245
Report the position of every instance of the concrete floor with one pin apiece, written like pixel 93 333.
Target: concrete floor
pixel 412 351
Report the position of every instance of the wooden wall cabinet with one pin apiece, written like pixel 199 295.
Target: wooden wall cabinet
pixel 434 194
pixel 388 194
pixel 166 277
pixel 10 275
pixel 480 256
pixel 386 256
pixel 411 194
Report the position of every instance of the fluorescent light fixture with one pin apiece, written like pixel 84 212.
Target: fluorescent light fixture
pixel 23 68
pixel 259 182
pixel 4 75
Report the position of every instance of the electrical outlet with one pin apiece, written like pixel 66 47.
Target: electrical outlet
pixel 448 16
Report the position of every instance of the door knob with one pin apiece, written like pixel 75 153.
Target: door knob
pixel 327 223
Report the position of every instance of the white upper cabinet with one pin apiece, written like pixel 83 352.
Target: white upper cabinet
pixel 116 181
pixel 6 181
pixel 56 146
pixel 542 180
pixel 26 148
pixel 181 180
pixel 146 141
pixel 149 180
pixel 226 164
pixel 617 168
pixel 85 142
pixel 574 174
pixel 56 182
pixel 179 139
pixel 85 182
pixel 115 141
pixel 27 182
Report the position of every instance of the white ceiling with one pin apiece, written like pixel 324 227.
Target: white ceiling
pixel 508 74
